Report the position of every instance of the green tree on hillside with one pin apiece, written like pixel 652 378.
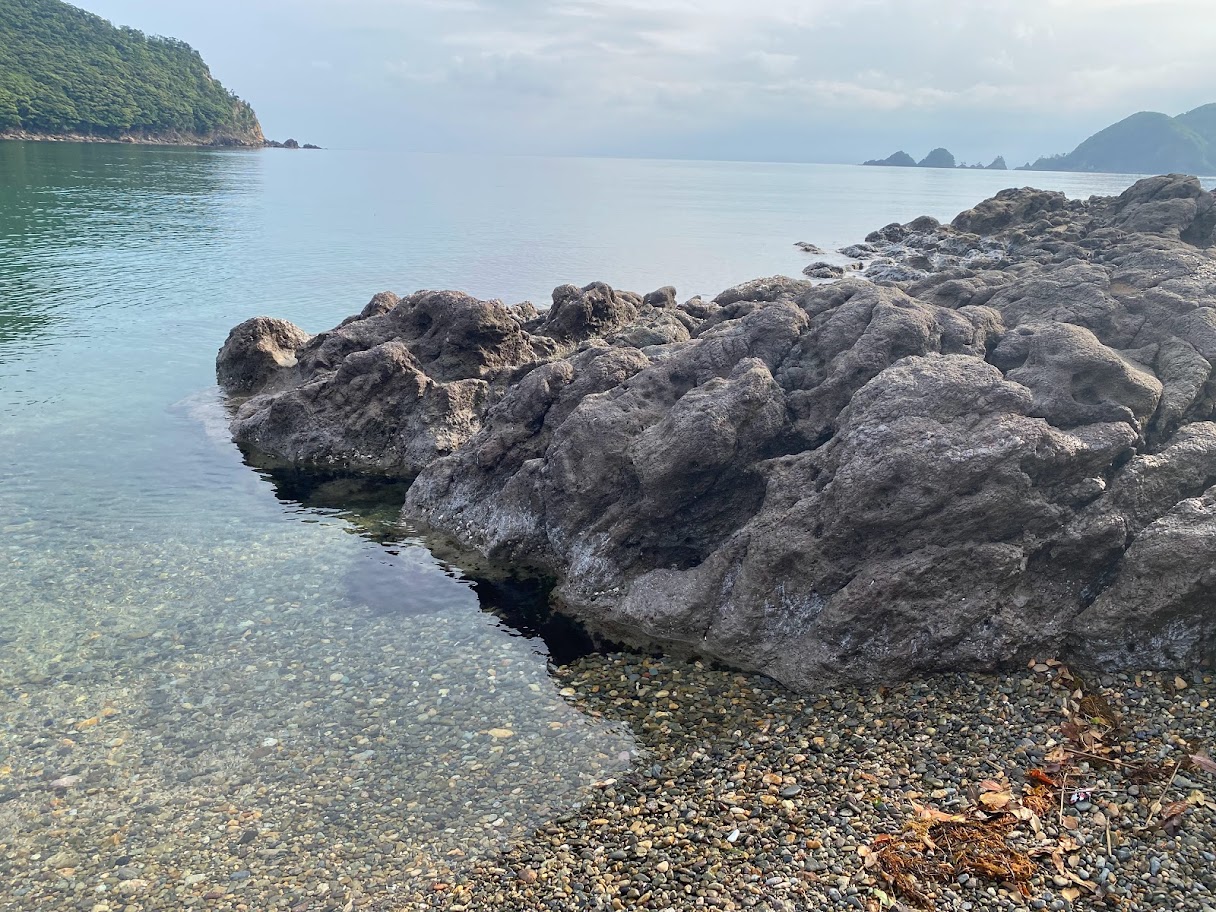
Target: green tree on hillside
pixel 64 70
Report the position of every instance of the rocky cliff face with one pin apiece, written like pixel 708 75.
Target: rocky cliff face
pixel 1009 452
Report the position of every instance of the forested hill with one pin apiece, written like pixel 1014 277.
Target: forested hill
pixel 1145 143
pixel 67 72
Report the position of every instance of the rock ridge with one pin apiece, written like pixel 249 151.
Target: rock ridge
pixel 998 441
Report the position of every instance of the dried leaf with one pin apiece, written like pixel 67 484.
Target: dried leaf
pixel 991 785
pixel 1177 809
pixel 996 800
pixel 1070 823
pixel 933 814
pixel 1072 894
pixel 1204 762
pixel 1057 858
pixel 935 850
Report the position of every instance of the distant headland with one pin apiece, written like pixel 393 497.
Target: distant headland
pixel 1145 143
pixel 54 58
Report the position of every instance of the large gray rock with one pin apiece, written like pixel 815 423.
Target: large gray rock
pixel 256 353
pixel 1159 609
pixel 409 379
pixel 1005 449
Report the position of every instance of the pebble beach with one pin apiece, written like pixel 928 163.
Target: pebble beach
pixel 629 782
pixel 754 798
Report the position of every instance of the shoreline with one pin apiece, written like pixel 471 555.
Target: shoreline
pixel 738 793
pixel 178 141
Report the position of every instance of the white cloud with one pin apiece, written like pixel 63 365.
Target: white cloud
pixel 568 75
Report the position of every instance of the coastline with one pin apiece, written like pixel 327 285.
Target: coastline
pixel 738 794
pixel 185 140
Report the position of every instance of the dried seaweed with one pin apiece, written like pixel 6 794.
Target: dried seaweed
pixel 938 848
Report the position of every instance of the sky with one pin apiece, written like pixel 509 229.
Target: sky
pixel 762 80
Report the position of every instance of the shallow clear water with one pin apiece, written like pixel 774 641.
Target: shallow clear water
pixel 193 647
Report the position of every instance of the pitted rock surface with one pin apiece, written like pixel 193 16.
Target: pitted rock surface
pixel 999 442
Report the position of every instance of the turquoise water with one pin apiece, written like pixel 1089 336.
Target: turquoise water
pixel 179 633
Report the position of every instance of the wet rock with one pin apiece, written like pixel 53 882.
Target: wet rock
pixel 886 271
pixel 821 270
pixel 859 251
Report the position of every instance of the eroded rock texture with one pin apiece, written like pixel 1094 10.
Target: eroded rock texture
pixel 1009 451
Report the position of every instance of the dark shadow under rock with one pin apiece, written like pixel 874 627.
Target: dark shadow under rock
pixel 386 578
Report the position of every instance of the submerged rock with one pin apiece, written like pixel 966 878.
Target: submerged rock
pixel 960 467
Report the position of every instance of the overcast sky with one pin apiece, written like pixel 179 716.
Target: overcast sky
pixel 801 80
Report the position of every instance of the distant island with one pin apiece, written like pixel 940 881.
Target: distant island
pixel 938 158
pixel 70 75
pixel 1145 143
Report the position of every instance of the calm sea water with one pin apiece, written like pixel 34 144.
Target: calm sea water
pixel 174 624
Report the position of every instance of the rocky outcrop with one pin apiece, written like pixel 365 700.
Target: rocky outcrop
pixel 898 159
pixel 287 144
pixel 938 158
pixel 1007 449
pixel 409 380
pixel 822 270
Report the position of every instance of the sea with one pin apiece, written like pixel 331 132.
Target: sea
pixel 188 643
